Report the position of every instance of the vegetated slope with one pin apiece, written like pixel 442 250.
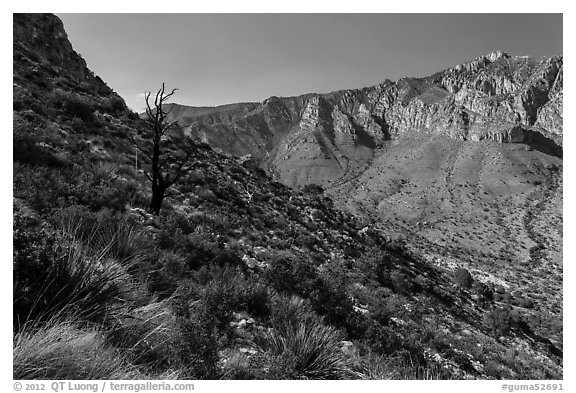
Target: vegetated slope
pixel 239 277
pixel 465 165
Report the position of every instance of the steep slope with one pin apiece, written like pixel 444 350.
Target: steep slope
pixel 236 270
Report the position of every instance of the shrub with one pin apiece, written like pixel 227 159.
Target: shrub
pixel 201 247
pixel 499 320
pixel 383 339
pixel 290 274
pixel 40 187
pixel 173 265
pixel 34 250
pixel 463 278
pixel 375 263
pixel 483 291
pixel 73 105
pixel 313 189
pixel 29 149
pixel 80 109
pixel 114 105
pixel 330 297
pixel 227 291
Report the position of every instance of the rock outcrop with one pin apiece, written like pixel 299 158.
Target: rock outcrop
pixel 44 58
pixel 549 115
pixel 49 53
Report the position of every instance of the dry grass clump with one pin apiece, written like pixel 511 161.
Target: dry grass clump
pixel 65 351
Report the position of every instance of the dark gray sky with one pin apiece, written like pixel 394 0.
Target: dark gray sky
pixel 223 58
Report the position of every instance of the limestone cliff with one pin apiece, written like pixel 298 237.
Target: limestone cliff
pixel 319 137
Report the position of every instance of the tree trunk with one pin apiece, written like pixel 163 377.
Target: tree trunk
pixel 157 198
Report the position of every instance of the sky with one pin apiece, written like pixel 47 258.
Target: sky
pixel 215 59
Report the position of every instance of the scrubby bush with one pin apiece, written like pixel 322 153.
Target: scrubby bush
pixel 229 290
pixel 114 105
pixel 313 189
pixel 34 250
pixel 71 104
pixel 499 320
pixel 375 264
pixel 331 299
pixel 291 274
pixel 31 148
pixel 463 278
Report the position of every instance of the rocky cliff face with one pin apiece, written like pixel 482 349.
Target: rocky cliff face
pixel 45 59
pixel 549 115
pixel 496 97
pixel 493 88
pixel 42 37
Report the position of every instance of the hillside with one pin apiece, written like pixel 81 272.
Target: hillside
pixel 465 165
pixel 240 276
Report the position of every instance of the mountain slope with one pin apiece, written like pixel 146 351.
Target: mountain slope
pixel 468 159
pixel 240 276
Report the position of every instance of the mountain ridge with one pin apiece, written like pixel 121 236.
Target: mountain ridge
pixel 514 97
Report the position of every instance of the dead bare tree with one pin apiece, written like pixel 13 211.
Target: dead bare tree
pixel 167 163
pixel 249 194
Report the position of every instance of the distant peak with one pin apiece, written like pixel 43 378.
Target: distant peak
pixel 270 99
pixel 482 61
pixel 493 56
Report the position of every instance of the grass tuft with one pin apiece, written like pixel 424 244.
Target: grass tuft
pixel 303 345
pixel 77 281
pixel 64 351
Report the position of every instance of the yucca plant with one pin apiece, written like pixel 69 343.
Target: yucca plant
pixel 120 238
pixel 77 280
pixel 303 344
pixel 103 171
pixel 400 366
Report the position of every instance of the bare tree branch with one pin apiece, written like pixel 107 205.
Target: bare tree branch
pixel 167 166
pixel 146 152
pixel 148 176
